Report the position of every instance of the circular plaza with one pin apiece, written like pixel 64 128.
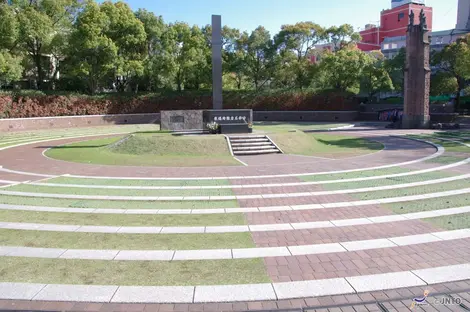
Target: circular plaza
pixel 129 218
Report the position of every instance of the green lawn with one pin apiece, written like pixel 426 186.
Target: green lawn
pixel 389 181
pixel 137 182
pixel 80 131
pixel 133 273
pixel 78 240
pixel 417 190
pixel 430 204
pixel 446 159
pixel 121 220
pixel 448 145
pixel 272 126
pixel 453 222
pixel 116 192
pixel 354 175
pixel 149 149
pixel 324 145
pixel 122 204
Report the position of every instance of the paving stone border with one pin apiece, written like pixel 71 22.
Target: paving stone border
pixel 232 228
pixel 235 186
pixel 234 293
pixel 236 197
pixel 236 253
pixel 439 151
pixel 61 138
pixel 236 210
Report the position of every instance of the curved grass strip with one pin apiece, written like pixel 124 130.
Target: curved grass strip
pixel 205 151
pixel 446 159
pixel 439 152
pixel 228 228
pixel 429 204
pixel 135 273
pixel 422 187
pixel 65 181
pixel 415 190
pixel 214 184
pixel 219 254
pixel 120 219
pixel 215 210
pixel 79 240
pixel 429 176
pixel 35 188
pixel 452 222
pixel 128 205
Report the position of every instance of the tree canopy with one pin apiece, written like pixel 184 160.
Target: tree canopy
pixel 90 46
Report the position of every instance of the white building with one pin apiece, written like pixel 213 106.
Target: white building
pixel 463 15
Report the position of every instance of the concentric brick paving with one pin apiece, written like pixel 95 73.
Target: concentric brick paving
pixel 376 261
pixel 316 215
pixel 341 234
pixel 29 158
pixel 293 268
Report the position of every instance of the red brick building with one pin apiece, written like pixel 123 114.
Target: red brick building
pixel 393 23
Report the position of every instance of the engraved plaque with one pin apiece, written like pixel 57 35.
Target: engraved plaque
pixel 176 119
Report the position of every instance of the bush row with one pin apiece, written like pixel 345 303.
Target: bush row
pixel 43 105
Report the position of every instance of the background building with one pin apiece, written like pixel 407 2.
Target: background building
pixel 393 23
pixel 439 39
pixel 463 15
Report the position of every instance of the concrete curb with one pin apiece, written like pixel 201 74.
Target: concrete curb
pixel 233 293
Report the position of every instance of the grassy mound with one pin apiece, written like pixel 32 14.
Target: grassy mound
pixel 324 145
pixel 167 145
pixel 149 149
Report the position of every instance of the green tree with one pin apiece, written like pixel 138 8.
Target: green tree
pixel 342 36
pixel 284 75
pixel 454 60
pixel 198 67
pixel 375 77
pixel 259 54
pixel 39 23
pixel 300 38
pixel 128 34
pixel 159 65
pixel 396 69
pixel 343 70
pixel 443 83
pixel 9 28
pixel 235 58
pixel 10 68
pixel 154 28
pixel 92 53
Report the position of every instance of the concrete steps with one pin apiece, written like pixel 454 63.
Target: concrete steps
pixel 252 145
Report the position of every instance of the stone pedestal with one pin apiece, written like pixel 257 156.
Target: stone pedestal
pixel 417 78
pixel 217 62
pixel 416 121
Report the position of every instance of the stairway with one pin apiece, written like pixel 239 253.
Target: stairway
pixel 252 145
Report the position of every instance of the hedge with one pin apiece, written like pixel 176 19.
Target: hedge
pixel 23 105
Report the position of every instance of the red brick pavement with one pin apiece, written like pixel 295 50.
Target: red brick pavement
pixel 341 234
pixel 288 201
pixel 399 298
pixel 316 215
pixel 17 177
pixel 375 261
pixel 29 158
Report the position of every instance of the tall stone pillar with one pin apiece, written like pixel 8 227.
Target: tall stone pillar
pixel 217 101
pixel 417 75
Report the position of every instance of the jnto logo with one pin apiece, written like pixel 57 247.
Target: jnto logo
pixel 420 300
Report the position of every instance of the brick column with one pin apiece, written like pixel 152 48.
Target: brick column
pixel 417 79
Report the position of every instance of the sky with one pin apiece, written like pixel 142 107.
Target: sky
pixel 249 14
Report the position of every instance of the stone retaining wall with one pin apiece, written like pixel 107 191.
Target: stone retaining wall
pixel 326 116
pixel 25 124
